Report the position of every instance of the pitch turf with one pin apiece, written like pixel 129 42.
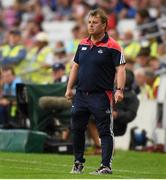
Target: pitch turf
pixel 52 166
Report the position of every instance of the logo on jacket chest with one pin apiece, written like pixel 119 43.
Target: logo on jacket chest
pixel 100 51
pixel 84 48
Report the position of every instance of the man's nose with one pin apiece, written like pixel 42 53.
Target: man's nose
pixel 91 24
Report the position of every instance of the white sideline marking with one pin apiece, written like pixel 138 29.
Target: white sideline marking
pixel 64 165
pixel 53 170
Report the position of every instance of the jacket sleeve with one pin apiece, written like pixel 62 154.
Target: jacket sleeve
pixel 15 60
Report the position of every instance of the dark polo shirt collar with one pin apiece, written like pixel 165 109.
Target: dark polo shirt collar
pixel 104 40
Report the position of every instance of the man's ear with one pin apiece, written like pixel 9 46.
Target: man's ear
pixel 105 26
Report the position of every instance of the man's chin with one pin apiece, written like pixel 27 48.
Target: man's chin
pixel 91 33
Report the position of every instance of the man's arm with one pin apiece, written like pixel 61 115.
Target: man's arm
pixel 15 60
pixel 71 81
pixel 121 80
pixel 121 76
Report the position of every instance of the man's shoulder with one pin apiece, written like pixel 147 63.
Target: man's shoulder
pixel 113 44
pixel 84 41
pixel 17 80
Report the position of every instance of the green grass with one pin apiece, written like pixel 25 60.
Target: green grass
pixel 52 166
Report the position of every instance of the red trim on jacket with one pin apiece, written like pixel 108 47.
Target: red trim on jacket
pixel 111 43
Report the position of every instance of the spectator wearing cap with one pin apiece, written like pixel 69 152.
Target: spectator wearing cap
pixel 58 73
pixel 39 60
pixel 13 52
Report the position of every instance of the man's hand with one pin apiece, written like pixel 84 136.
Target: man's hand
pixel 4 102
pixel 69 94
pixel 114 114
pixel 72 79
pixel 118 96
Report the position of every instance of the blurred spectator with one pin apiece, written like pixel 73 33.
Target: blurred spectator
pixel 142 58
pixel 61 56
pixel 10 80
pixel 141 81
pixel 2 33
pixel 147 25
pixel 38 14
pixel 130 46
pixel 142 17
pixel 80 10
pixel 79 31
pixel 127 9
pixel 156 8
pixel 8 97
pixel 51 4
pixel 153 44
pixel 143 4
pixel 13 52
pixel 37 66
pixel 33 11
pixel 58 73
pixel 30 29
pixel 1 95
pixel 152 84
pixel 115 35
pixel 125 111
pixel 63 11
pixel 109 7
pixel 9 16
pixel 73 44
pixel 156 65
pixel 130 64
pixel 162 53
pixel 60 53
pixel 28 12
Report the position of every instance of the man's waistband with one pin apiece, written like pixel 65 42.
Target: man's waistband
pixel 92 92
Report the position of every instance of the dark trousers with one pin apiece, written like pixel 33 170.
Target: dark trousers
pixel 98 104
pixel 4 115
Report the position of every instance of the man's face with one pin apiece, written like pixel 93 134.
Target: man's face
pixel 142 60
pixel 58 74
pixel 95 26
pixel 7 76
pixel 14 39
pixel 140 79
pixel 138 19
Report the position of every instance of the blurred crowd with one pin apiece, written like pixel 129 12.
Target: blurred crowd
pixel 26 53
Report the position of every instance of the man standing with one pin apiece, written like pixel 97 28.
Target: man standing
pixel 97 59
